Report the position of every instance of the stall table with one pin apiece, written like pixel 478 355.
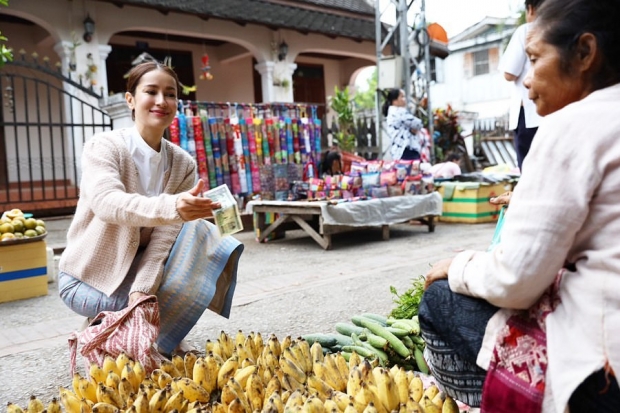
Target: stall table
pixel 321 219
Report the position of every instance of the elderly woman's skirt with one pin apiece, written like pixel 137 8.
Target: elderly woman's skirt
pixel 453 327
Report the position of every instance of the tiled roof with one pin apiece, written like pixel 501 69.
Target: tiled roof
pixel 353 18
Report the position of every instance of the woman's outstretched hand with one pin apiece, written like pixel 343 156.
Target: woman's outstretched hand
pixel 438 271
pixel 503 199
pixel 191 205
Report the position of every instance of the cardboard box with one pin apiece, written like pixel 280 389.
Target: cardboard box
pixel 468 202
pixel 23 271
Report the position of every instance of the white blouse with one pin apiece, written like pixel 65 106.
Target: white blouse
pixel 566 208
pixel 151 164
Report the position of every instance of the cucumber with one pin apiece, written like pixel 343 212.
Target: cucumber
pixel 325 340
pixel 361 350
pixel 342 339
pixel 381 331
pixel 348 329
pixel 376 341
pixel 381 355
pixel 398 332
pixel 376 317
pixel 346 355
pixel 419 359
pixel 407 341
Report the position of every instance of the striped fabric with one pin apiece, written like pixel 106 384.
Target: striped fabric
pixel 200 273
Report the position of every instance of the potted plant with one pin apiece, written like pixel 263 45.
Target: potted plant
pixel 342 104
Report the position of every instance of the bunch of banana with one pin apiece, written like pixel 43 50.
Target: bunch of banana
pixel 390 341
pixel 248 374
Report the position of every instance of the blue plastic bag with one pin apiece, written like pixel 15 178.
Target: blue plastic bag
pixel 497 235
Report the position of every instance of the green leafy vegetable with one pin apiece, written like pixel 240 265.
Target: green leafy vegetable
pixel 407 304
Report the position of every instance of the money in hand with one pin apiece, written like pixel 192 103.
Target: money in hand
pixel 227 217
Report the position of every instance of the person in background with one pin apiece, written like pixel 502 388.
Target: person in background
pixel 402 127
pixel 523 119
pixel 331 163
pixel 139 199
pixel 558 254
pixel 448 169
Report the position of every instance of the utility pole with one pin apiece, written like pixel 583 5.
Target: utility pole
pixel 403 35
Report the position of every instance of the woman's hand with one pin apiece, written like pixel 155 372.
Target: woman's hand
pixel 503 199
pixel 135 296
pixel 438 271
pixel 191 206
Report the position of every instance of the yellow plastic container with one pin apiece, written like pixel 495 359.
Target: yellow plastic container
pixel 468 202
pixel 23 271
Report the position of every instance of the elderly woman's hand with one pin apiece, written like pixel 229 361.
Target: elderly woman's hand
pixel 191 206
pixel 503 199
pixel 438 271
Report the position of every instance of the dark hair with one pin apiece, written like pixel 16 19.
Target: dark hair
pixel 453 157
pixel 329 157
pixel 389 96
pixel 136 73
pixel 534 3
pixel 562 23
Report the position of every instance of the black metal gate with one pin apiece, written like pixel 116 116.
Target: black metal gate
pixel 45 118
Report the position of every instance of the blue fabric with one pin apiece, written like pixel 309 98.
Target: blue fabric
pixel 197 259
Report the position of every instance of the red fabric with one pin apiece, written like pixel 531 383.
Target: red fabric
pixel 515 380
pixel 132 330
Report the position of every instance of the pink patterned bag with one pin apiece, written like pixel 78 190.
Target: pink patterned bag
pixel 132 330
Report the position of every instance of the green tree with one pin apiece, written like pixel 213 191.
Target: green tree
pixel 6 54
pixel 342 104
pixel 366 100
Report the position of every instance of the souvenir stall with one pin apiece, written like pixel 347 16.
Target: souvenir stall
pixel 269 156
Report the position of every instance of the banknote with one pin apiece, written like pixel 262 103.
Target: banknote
pixel 227 217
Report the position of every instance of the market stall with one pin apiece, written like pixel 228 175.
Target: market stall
pixel 321 219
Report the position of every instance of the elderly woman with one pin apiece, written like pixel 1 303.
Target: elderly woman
pixel 559 253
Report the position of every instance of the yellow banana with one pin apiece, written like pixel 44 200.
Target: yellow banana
pixel 402 385
pixel 88 389
pixel 248 345
pixel 387 391
pixel 342 365
pixel 171 368
pixel 228 394
pixel 217 408
pixel 331 406
pixel 228 345
pixel 158 401
pixel 354 360
pixel 236 407
pixel 341 399
pixel 239 338
pixel 275 346
pixel 35 405
pixel 242 353
pixel 149 390
pixel 355 381
pixel 295 399
pixel 449 406
pixel 439 399
pixel 209 346
pixel 102 407
pixel 350 408
pixel 298 358
pixel 285 395
pixel 323 390
pixel 109 364
pixel 178 363
pixel 363 397
pixel 216 348
pixel 68 400
pixel 129 373
pixel 240 391
pixel 428 406
pixel 227 371
pixel 431 391
pixel 53 406
pixel 416 389
pixel 112 379
pixel 304 346
pixel 141 404
pixel 316 352
pixel 14 408
pixel 270 360
pixel 188 363
pixel 289 367
pixel 140 372
pixel 255 391
pixel 243 374
pixel 414 407
pixel 192 390
pixel 313 405
pixel 374 393
pixel 175 402
pixel 269 406
pixel 125 390
pixel 75 384
pixel 122 360
pixel 97 374
pixel 258 343
pixel 106 394
pixel 164 379
pixel 212 368
pixel 273 386
pixel 370 408
pixel 340 382
pixel 286 343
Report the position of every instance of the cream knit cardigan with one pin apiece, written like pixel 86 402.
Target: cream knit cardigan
pixel 112 219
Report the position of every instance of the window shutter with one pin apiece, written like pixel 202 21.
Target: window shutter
pixel 468 65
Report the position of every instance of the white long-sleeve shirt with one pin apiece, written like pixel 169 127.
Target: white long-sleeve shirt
pixel 514 61
pixel 566 208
